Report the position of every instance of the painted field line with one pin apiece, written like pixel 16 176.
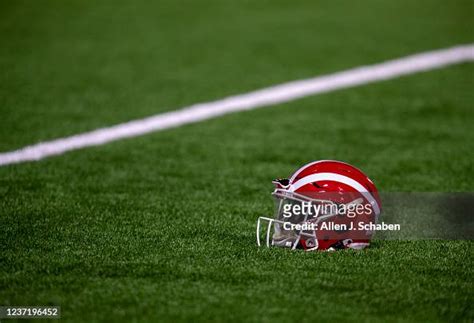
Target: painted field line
pixel 257 99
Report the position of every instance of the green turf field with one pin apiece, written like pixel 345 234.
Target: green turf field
pixel 162 227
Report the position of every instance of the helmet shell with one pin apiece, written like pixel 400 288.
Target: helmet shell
pixel 340 183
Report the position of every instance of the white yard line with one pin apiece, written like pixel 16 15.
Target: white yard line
pixel 257 99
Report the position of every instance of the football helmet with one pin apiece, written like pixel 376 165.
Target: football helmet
pixel 324 205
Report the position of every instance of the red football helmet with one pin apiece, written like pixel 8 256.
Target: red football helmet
pixel 325 205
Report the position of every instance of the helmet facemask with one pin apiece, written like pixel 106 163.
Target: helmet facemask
pixel 281 230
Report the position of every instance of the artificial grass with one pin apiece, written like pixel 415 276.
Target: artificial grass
pixel 161 227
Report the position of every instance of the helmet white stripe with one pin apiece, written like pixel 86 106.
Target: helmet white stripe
pixel 307 165
pixel 337 178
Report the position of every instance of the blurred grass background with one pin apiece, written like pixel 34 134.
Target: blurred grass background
pixel 86 64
